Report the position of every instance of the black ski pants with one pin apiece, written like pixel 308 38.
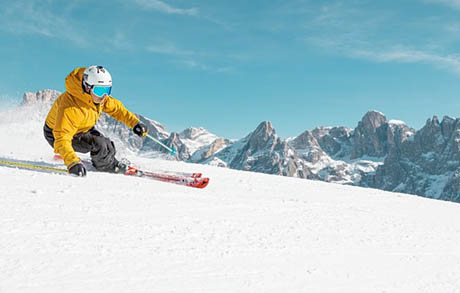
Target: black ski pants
pixel 101 148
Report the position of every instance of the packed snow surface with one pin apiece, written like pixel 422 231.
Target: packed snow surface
pixel 246 232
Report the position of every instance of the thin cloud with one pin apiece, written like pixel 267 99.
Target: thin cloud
pixel 404 55
pixel 349 31
pixel 387 53
pixel 169 49
pixel 188 59
pixel 29 17
pixel 200 66
pixel 194 64
pixel 165 7
pixel 451 3
pixel 120 41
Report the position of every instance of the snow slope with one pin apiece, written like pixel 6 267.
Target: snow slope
pixel 246 232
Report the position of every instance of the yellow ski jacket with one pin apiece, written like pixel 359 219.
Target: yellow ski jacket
pixel 74 112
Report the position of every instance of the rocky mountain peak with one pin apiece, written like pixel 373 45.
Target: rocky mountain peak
pixel 174 140
pixel 373 120
pixel 264 134
pixel 263 151
pixel 431 138
pixel 427 164
pixel 335 141
pixel 305 140
pixel 207 151
pixel 307 147
pixel 197 138
pixel 448 125
pixel 155 128
pixel 193 133
pixel 265 129
pixel 42 96
pixel 369 137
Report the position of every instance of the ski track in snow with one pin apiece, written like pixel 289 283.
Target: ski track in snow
pixel 245 232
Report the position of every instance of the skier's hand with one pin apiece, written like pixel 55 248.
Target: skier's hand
pixel 78 170
pixel 140 129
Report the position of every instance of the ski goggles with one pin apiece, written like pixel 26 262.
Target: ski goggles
pixel 100 91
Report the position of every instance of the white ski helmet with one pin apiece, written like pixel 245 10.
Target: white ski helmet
pixel 96 76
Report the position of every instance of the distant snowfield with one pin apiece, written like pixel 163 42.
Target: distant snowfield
pixel 246 232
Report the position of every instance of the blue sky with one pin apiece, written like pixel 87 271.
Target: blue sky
pixel 228 65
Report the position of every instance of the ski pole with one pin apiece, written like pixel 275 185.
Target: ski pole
pixel 172 151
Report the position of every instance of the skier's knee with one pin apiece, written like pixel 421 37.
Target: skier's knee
pixel 103 154
pixel 104 145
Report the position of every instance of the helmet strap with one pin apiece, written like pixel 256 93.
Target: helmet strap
pixel 86 87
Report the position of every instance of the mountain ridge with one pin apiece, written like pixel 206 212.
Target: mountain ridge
pixel 378 153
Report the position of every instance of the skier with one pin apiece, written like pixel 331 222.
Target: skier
pixel 69 126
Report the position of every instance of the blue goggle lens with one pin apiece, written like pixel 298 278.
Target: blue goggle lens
pixel 102 90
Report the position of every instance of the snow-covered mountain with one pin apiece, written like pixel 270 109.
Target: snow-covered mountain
pixel 261 151
pixel 40 97
pixel 426 163
pixel 380 153
pixel 196 138
pixel 246 232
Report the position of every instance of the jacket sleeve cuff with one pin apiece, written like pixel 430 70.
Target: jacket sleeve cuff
pixel 135 122
pixel 73 164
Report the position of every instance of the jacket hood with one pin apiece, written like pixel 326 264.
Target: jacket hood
pixel 73 84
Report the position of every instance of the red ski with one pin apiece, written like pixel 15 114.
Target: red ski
pixel 180 178
pixel 184 174
pixel 197 182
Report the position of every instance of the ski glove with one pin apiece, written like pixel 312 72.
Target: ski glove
pixel 78 170
pixel 140 129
